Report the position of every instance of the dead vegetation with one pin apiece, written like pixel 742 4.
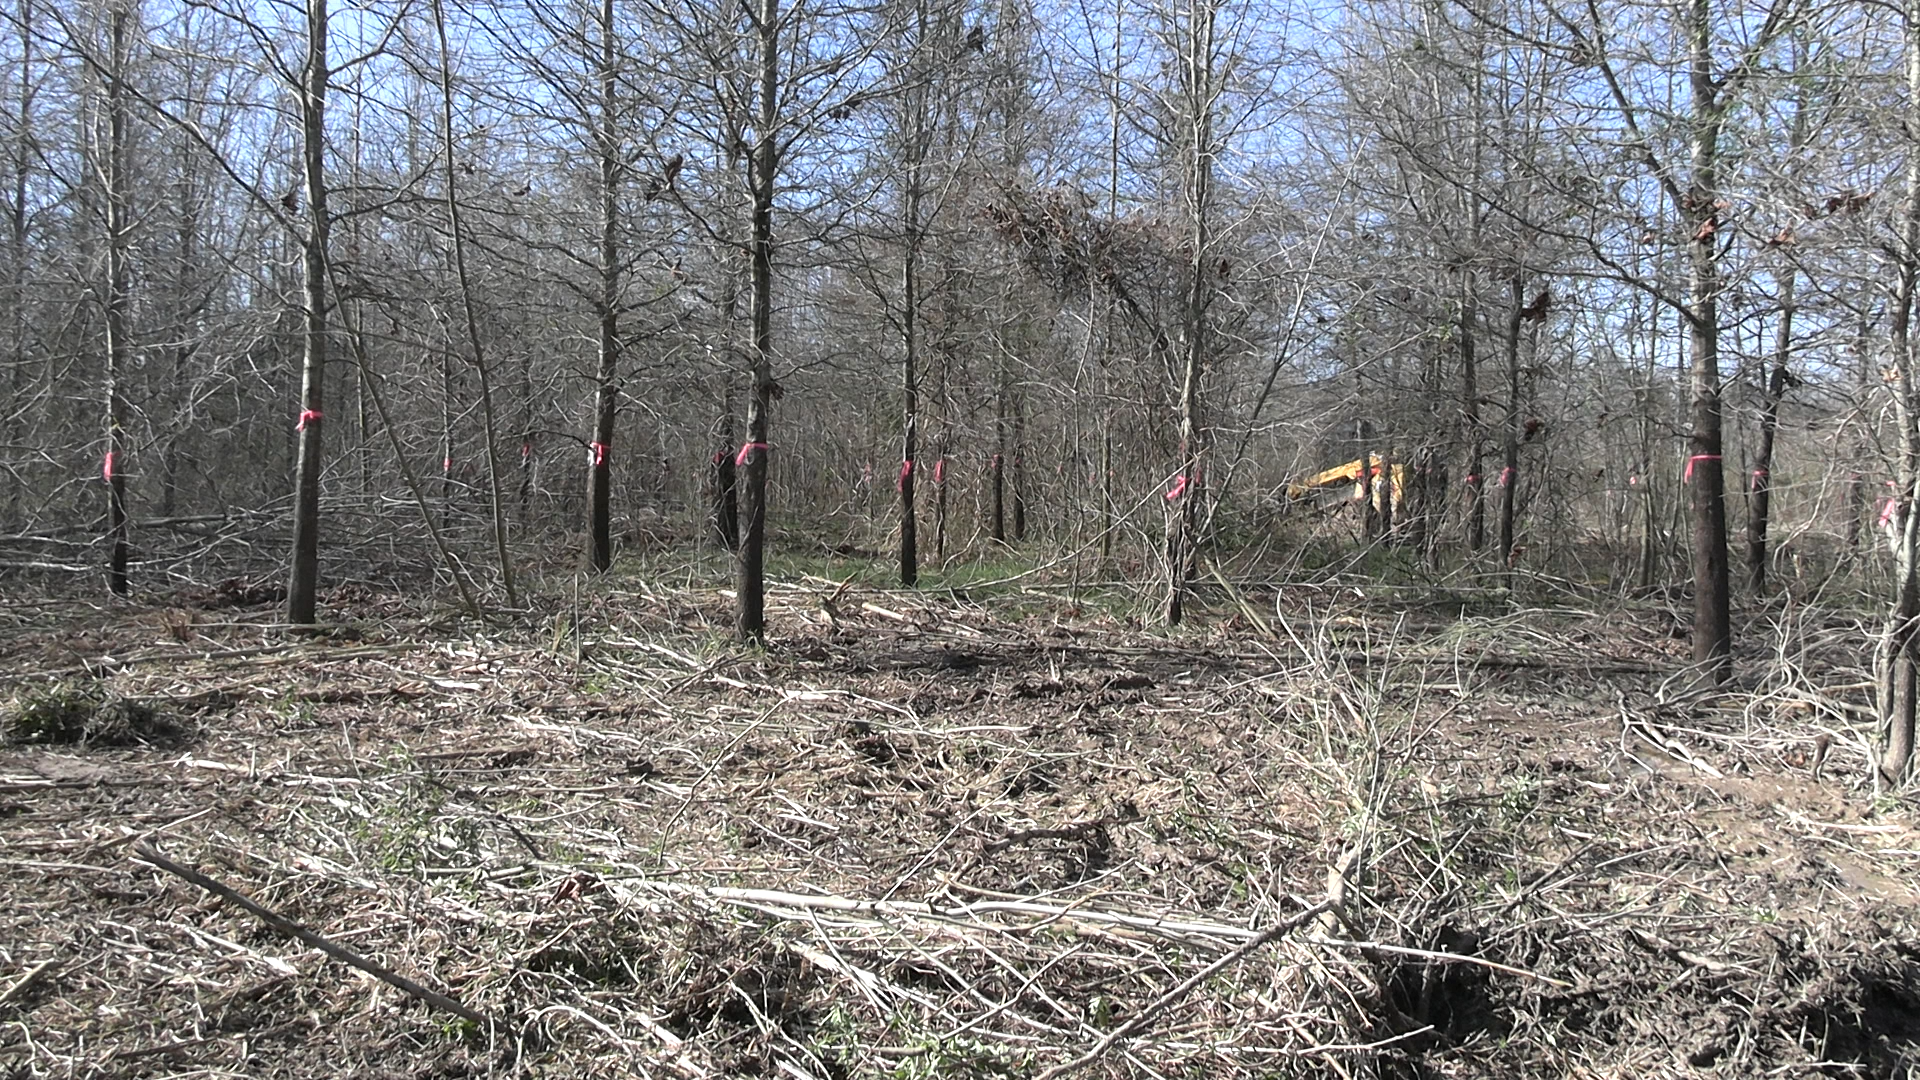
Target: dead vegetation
pixel 926 835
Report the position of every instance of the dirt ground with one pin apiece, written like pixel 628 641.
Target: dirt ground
pixel 1317 833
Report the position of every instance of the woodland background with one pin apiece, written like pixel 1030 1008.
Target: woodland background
pixel 1068 259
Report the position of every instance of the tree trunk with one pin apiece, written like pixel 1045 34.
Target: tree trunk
pixel 1475 480
pixel 997 467
pixel 1508 484
pixel 17 219
pixel 1197 89
pixel 749 581
pixel 455 227
pixel 1898 666
pixel 606 393
pixel 119 347
pixel 919 137
pixel 1712 616
pixel 1778 380
pixel 1388 505
pixel 303 586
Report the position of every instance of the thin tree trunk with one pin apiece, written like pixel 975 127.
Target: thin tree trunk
pixel 1508 484
pixel 180 426
pixel 1899 660
pixel 996 468
pixel 1197 77
pixel 749 581
pixel 23 150
pixel 118 289
pixel 1475 479
pixel 606 392
pixel 454 223
pixel 445 353
pixel 1712 615
pixel 1388 506
pixel 919 137
pixel 1779 378
pixel 303 585
pixel 1017 472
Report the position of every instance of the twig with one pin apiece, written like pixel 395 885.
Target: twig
pixel 772 901
pixel 33 975
pixel 1148 1014
pixel 1446 957
pixel 292 929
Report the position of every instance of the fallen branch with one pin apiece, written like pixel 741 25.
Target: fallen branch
pixel 292 929
pixel 24 982
pixel 765 899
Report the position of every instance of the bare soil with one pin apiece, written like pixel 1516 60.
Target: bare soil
pixel 925 835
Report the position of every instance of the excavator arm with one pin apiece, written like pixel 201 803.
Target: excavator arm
pixel 1350 473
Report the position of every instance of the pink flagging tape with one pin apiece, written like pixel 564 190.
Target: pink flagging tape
pixel 306 415
pixel 746 452
pixel 1688 475
pixel 1178 489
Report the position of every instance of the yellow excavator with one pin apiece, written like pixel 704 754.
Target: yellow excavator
pixel 1350 475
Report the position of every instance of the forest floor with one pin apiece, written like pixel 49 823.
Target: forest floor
pixel 1323 830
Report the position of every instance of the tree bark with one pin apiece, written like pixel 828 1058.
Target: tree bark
pixel 119 287
pixel 472 318
pixel 1508 484
pixel 918 138
pixel 303 585
pixel 1475 479
pixel 1779 378
pixel 1898 666
pixel 754 456
pixel 606 394
pixel 1197 89
pixel 1712 615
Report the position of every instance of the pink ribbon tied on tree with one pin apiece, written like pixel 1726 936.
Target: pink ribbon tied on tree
pixel 306 415
pixel 746 452
pixel 1179 487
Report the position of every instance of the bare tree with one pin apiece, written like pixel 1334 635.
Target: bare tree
pixel 1898 665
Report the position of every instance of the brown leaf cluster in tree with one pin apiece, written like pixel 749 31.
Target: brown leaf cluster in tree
pixel 1848 202
pixel 668 173
pixel 1537 311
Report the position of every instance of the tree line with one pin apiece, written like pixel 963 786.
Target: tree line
pixel 1623 289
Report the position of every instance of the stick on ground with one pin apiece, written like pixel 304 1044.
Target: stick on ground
pixel 32 976
pixel 292 929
